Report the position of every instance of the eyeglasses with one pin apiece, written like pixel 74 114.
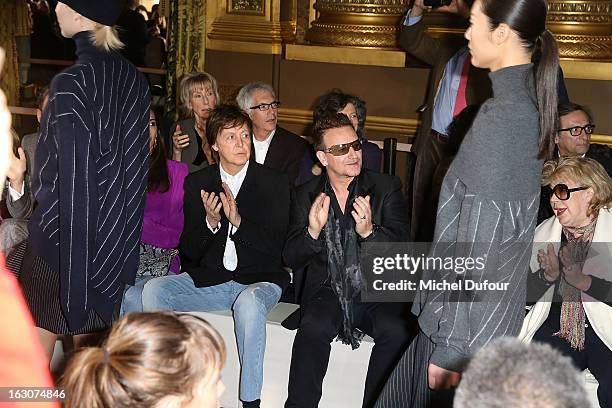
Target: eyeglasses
pixel 266 106
pixel 563 192
pixel 342 149
pixel 577 130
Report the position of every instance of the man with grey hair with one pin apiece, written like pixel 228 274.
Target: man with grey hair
pixel 509 373
pixel 272 145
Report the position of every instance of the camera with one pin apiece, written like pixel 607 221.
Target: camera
pixel 437 3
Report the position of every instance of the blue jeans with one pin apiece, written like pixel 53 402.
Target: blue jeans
pixel 132 297
pixel 250 305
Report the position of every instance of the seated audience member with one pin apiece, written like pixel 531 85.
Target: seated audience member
pixel 573 138
pixel 336 101
pixel 508 373
pixel 149 360
pixel 163 220
pixel 199 95
pixel 23 362
pixel 236 217
pixel 18 194
pixel 273 146
pixel 576 125
pixel 578 321
pixel 333 214
pixel 158 19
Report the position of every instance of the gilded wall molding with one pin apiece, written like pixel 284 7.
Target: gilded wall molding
pixel 254 26
pixel 397 127
pixel 581 12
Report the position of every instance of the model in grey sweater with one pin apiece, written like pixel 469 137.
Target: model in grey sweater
pixel 487 208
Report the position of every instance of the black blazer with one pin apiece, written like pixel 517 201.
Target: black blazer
pixel 263 204
pixel 308 257
pixel 285 153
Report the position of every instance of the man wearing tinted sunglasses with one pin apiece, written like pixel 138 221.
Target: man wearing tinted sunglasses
pixel 333 214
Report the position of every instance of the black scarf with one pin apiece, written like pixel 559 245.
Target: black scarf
pixel 344 267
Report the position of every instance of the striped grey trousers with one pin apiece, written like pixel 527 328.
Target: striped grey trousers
pixel 407 384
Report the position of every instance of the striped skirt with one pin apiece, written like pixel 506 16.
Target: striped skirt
pixel 41 290
pixel 407 385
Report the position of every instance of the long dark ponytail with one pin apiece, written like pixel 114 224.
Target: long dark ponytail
pixel 528 19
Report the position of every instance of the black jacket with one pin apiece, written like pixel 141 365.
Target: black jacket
pixel 263 204
pixel 308 257
pixel 285 153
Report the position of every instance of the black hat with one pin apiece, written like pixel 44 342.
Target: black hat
pixel 105 12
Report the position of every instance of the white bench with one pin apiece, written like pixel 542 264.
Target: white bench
pixel 344 382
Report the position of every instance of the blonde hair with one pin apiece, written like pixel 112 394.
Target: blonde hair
pixel 147 357
pixel 192 81
pixel 106 37
pixel 587 172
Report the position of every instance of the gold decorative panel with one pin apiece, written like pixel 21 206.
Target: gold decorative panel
pixel 255 26
pixel 362 23
pixel 583 28
pixel 247 7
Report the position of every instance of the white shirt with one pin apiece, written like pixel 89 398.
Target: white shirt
pixel 261 148
pixel 230 257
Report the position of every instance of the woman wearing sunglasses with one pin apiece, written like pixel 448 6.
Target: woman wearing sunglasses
pixel 566 257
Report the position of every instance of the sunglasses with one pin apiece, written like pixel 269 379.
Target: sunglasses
pixel 342 149
pixel 577 130
pixel 563 192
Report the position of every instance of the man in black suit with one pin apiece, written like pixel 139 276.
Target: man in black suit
pixel 273 146
pixel 236 218
pixel 331 216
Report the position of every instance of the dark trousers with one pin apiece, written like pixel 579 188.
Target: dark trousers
pixel 389 324
pixel 428 157
pixel 596 356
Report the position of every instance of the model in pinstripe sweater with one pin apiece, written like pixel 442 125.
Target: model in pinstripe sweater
pixel 488 203
pixel 89 180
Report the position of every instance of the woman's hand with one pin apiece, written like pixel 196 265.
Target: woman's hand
pixel 16 170
pixel 439 378
pixel 179 142
pixel 549 262
pixel 572 271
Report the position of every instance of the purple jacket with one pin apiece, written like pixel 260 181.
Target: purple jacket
pixel 163 216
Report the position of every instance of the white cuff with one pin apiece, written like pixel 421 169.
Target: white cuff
pixel 16 195
pixel 213 230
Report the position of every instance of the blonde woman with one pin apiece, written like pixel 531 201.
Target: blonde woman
pixel 89 182
pixel 199 95
pixel 573 293
pixel 150 360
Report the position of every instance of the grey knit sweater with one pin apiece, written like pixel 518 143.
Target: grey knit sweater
pixel 487 208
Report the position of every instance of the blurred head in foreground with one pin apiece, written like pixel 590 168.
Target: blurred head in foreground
pixel 152 360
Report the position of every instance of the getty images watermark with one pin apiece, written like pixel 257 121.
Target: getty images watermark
pixel 397 272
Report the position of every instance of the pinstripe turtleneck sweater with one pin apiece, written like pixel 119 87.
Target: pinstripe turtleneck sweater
pixel 487 208
pixel 89 181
